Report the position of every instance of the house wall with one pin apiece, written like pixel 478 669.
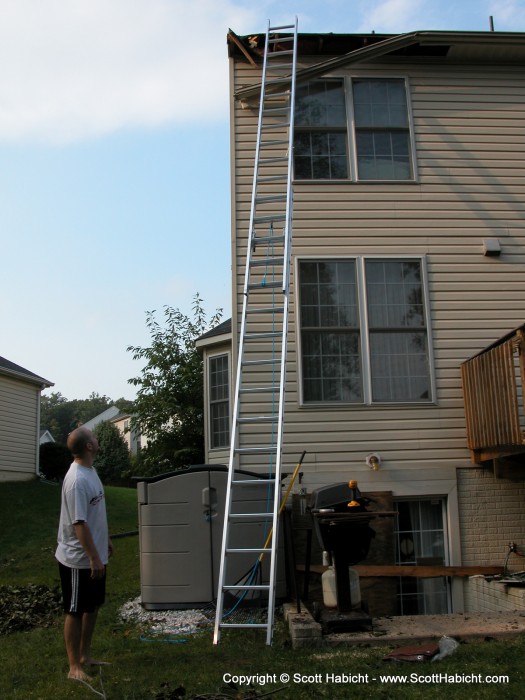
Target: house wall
pixel 19 418
pixel 470 151
pixel 487 528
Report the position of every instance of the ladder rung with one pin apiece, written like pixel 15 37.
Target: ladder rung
pixel 277 95
pixel 275 159
pixel 271 198
pixel 266 310
pixel 259 450
pixel 266 285
pixel 267 239
pixel 256 516
pixel 263 334
pixel 268 111
pixel 254 587
pixel 278 54
pixel 253 482
pixel 257 363
pixel 269 262
pixel 274 142
pixel 279 66
pixel 279 39
pixel 260 390
pixel 240 625
pixel 258 419
pixel 247 550
pixel 269 218
pixel 272 178
pixel 283 26
pixel 279 125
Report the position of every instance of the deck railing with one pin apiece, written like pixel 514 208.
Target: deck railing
pixel 493 382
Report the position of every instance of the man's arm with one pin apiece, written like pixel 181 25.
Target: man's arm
pixel 85 538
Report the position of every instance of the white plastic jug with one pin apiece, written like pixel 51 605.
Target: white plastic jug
pixel 330 591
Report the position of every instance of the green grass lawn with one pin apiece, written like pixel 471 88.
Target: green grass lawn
pixel 33 663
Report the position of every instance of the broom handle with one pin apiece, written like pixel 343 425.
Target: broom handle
pixel 283 504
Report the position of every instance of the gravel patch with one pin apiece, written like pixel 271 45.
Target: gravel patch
pixel 166 622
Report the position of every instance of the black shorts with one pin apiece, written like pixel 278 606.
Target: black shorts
pixel 81 593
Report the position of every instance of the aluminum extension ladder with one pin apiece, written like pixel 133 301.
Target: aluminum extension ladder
pixel 254 475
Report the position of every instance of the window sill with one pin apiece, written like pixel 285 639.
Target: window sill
pixel 355 182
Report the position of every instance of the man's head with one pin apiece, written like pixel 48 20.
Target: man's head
pixel 82 442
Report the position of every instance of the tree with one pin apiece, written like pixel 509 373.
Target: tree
pixel 60 416
pixel 113 461
pixel 169 408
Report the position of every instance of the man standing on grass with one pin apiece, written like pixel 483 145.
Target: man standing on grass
pixel 83 550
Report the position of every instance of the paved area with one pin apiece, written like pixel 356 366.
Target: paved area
pixel 413 628
pixel 305 631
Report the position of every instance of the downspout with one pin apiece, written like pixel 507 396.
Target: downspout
pixel 37 455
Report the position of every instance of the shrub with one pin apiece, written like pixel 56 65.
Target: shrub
pixel 113 462
pixel 55 459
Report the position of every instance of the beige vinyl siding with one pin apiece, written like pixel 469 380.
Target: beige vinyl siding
pixel 18 429
pixel 470 149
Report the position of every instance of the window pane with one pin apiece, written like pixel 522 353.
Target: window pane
pixel 394 357
pixel 382 129
pixel 380 103
pixel 330 336
pixel 321 131
pixel 320 103
pixel 383 155
pixel 395 294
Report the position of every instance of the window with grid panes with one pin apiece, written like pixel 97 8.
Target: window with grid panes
pixel 219 397
pixel 364 337
pixel 382 139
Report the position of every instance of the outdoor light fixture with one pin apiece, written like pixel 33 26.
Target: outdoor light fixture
pixel 374 461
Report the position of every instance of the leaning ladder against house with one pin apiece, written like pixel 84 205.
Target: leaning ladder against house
pixel 251 530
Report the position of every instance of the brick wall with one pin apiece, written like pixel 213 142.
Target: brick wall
pixel 492 514
pixel 482 595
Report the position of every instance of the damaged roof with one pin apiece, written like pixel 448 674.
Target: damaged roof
pixel 337 50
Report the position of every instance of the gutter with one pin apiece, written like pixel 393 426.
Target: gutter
pixel 386 46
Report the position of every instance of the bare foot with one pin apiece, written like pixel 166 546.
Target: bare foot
pixel 79 675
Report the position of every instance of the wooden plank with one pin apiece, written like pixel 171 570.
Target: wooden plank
pixel 373 571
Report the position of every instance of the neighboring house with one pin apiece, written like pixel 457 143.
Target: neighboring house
pixel 45 436
pixel 108 414
pixel 20 392
pixel 133 438
pixel 408 253
pixel 216 346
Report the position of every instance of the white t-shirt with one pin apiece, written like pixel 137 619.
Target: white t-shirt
pixel 82 500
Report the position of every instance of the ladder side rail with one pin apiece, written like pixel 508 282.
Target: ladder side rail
pixel 240 353
pixel 289 182
pixel 282 383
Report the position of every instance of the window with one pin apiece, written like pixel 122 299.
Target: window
pixel 382 134
pixel 320 151
pixel 364 335
pixel 421 540
pixel 219 397
pixel 382 141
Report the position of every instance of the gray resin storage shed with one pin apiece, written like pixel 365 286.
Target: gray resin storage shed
pixel 181 517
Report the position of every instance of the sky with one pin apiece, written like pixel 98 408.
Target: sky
pixel 114 164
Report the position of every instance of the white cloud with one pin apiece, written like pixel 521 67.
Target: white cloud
pixel 509 15
pixel 391 16
pixel 83 68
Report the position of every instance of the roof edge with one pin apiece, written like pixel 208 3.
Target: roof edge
pixel 391 43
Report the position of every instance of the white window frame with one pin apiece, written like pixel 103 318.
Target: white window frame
pixel 360 261
pixel 216 356
pixel 347 84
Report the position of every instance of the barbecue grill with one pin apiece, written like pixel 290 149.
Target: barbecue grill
pixel 341 522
